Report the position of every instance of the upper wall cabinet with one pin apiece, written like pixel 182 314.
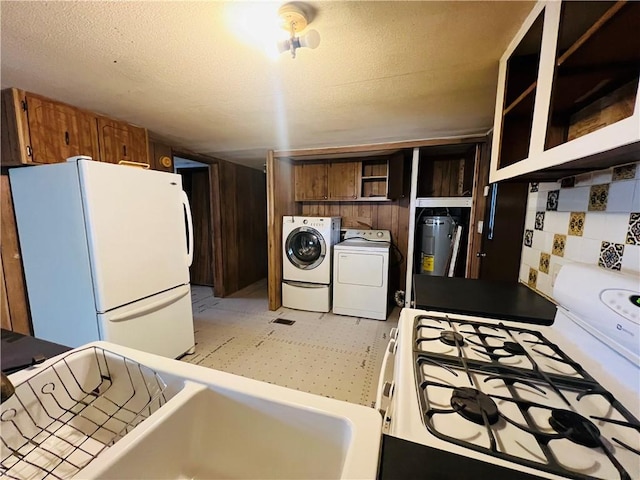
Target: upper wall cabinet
pixel 567 91
pixel 311 181
pixel 342 180
pixel 38 130
pixel 323 181
pixel 376 178
pixel 122 143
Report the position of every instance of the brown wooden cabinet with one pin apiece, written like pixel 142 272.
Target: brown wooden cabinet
pixel 311 181
pixel 58 131
pixel 121 142
pixel 318 181
pixel 378 178
pixel 342 180
pixel 38 130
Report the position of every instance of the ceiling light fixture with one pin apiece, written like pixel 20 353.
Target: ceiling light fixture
pixel 295 17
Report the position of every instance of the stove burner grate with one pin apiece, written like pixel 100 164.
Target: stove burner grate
pixel 449 337
pixel 513 348
pixel 474 405
pixel 481 409
pixel 575 427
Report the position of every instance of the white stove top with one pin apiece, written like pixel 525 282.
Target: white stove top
pixel 532 380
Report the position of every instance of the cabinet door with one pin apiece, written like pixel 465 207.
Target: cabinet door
pixel 58 131
pixel 343 180
pixel 310 181
pixel 121 142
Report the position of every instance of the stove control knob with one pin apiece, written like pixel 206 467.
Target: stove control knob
pixel 621 302
pixel 393 333
pixel 379 234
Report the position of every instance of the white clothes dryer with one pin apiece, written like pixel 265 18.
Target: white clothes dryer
pixel 361 274
pixel 307 261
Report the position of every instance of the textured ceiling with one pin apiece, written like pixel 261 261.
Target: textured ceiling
pixel 384 71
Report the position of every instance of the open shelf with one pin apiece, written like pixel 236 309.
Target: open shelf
pixel 603 22
pixel 446 173
pixel 523 100
pixel 374 177
pixel 597 68
pixel 444 202
pixel 519 96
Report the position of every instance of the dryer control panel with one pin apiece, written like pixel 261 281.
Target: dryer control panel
pixel 371 235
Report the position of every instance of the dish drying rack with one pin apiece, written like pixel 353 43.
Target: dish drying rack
pixel 65 415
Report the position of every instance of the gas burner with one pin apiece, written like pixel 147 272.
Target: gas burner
pixel 449 337
pixel 471 403
pixel 575 427
pixel 513 348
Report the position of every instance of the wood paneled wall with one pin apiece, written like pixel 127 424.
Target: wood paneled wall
pixel 243 216
pixel 280 202
pixel 392 216
pixel 14 310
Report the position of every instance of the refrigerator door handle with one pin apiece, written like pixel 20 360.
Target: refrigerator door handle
pixel 187 209
pixel 138 312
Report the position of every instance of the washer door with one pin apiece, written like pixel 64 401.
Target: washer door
pixel 305 248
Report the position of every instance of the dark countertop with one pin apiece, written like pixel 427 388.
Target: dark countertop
pixel 404 460
pixel 19 350
pixel 503 300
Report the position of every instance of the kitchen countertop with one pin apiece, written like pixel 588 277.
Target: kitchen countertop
pixel 19 350
pixel 404 460
pixel 503 300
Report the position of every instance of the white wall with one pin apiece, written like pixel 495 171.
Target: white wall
pixel 595 221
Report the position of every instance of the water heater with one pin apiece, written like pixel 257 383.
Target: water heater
pixel 435 234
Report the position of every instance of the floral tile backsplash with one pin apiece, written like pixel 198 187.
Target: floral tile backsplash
pixel 592 218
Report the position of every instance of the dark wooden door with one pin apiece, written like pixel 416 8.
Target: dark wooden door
pixel 58 131
pixel 196 184
pixel 502 232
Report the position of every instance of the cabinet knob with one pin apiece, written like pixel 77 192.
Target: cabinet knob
pixel 481 254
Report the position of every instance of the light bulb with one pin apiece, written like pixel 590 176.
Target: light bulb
pixel 311 39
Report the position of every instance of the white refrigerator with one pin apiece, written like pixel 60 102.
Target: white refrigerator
pixel 106 251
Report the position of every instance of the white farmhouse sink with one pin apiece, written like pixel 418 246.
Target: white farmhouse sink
pixel 220 425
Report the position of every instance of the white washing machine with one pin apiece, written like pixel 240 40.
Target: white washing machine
pixel 307 248
pixel 361 274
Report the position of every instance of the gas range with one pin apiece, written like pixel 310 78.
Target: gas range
pixel 561 401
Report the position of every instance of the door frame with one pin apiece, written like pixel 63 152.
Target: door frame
pixel 219 288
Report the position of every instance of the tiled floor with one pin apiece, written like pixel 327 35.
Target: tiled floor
pixel 321 353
